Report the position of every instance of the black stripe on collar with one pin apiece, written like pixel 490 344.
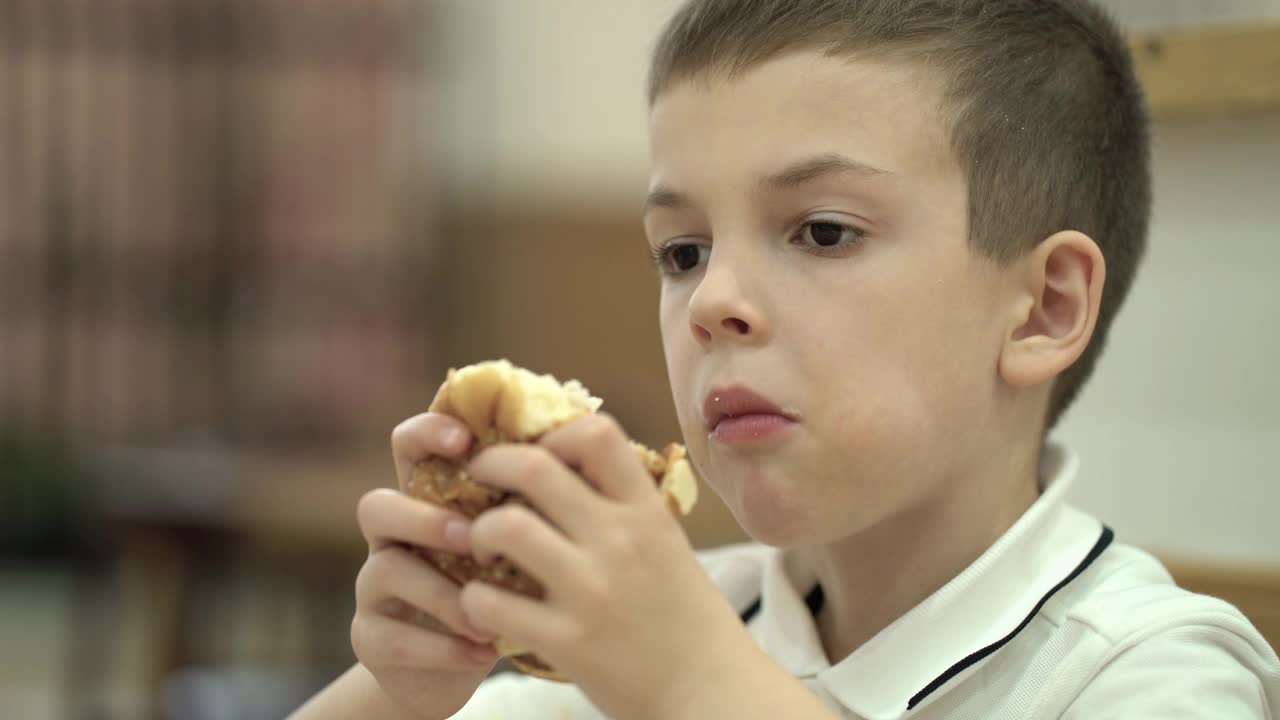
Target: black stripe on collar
pixel 814 600
pixel 979 655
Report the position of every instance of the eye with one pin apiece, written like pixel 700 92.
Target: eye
pixel 676 258
pixel 826 236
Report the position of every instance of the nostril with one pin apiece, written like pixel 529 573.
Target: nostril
pixel 736 325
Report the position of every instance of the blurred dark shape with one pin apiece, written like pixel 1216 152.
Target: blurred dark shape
pixel 216 264
pixel 42 507
pixel 213 217
pixel 248 694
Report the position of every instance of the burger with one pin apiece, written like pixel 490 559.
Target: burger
pixel 501 403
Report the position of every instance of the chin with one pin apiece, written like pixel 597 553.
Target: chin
pixel 773 518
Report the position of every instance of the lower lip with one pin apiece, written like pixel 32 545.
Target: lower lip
pixel 745 429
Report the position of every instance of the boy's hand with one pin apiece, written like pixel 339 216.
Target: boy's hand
pixel 629 614
pixel 409 630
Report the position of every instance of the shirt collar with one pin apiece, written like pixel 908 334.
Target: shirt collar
pixel 955 627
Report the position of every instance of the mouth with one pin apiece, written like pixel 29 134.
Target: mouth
pixel 737 414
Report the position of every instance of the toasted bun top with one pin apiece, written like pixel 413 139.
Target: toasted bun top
pixel 518 404
pixel 500 402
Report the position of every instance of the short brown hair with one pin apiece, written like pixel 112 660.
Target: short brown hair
pixel 1046 115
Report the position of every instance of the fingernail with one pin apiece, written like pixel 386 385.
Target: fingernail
pixel 457 533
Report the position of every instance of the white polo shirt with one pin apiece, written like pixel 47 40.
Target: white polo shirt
pixel 1053 621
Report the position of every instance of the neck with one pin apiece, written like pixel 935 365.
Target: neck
pixel 875 577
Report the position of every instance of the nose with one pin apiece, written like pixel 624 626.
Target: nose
pixel 722 308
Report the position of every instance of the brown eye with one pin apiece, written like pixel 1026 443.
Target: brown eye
pixel 685 257
pixel 825 237
pixel 678 258
pixel 827 234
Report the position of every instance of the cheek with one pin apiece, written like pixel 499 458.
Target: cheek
pixel 680 353
pixel 677 353
pixel 877 370
pixel 904 380
pixel 878 427
pixel 672 319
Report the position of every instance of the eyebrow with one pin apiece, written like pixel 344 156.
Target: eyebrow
pixel 663 197
pixel 794 175
pixel 820 166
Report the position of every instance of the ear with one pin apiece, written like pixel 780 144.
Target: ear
pixel 1059 286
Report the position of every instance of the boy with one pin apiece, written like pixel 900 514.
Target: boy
pixel 892 236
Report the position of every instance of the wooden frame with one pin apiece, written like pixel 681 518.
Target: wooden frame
pixel 1209 69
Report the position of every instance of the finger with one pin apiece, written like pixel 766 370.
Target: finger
pixel 397 573
pixel 522 620
pixel 519 534
pixel 390 517
pixel 555 490
pixel 380 642
pixel 599 448
pixel 423 436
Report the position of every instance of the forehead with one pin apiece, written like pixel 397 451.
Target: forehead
pixel 882 112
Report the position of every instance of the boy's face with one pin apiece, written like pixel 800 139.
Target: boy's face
pixel 814 217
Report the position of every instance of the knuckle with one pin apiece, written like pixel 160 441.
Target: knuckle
pixel 363 585
pixel 421 434
pixel 485 528
pixel 594 592
pixel 509 523
pixel 371 580
pixel 427 526
pixel 523 467
pixel 474 602
pixel 369 505
pixel 530 463
pixel 623 546
pixel 360 640
pixel 520 521
pixel 601 428
pixel 404 430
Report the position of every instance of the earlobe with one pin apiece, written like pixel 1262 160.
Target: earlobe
pixel 1060 292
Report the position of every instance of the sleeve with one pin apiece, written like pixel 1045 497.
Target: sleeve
pixel 514 696
pixel 1188 674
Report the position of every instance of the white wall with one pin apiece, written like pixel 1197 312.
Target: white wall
pixel 1179 430
pixel 549 95
pixel 1178 427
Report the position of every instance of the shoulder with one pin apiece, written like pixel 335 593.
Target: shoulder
pixel 1158 650
pixel 1131 596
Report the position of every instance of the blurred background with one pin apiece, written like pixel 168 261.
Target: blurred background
pixel 241 239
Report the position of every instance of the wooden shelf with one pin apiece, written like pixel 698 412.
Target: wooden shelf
pixel 1209 70
pixel 1254 590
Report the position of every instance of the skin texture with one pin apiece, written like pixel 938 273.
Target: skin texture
pixel 917 372
pixel 419 657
